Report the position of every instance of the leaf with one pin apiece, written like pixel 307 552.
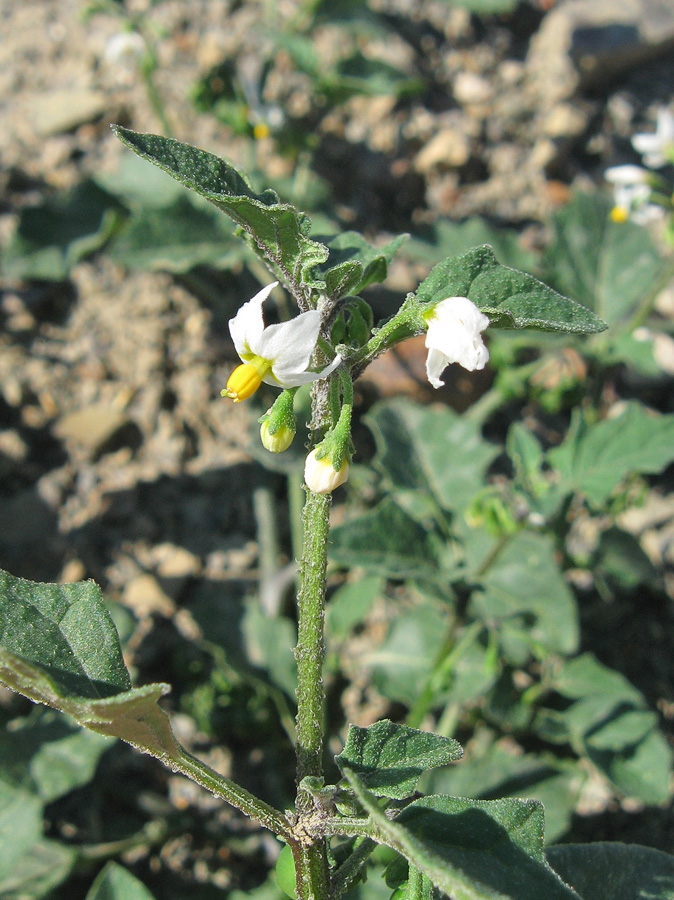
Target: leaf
pixel 59 232
pixel 471 849
pixel 611 724
pixel 176 239
pixel 390 758
pixel 510 298
pixel 524 592
pixel 269 643
pixel 402 664
pixel 504 771
pixel 386 541
pixel 350 604
pixel 58 646
pixel 114 882
pixel 594 459
pixel 354 264
pixel 436 451
pixel 20 825
pixel 446 238
pixel 52 756
pixel 35 873
pixel 611 267
pixel 277 230
pixel 607 871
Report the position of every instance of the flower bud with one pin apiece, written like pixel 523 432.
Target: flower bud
pixel 278 440
pixel 320 475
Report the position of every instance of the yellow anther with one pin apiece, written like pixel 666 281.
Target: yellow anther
pixel 619 215
pixel 243 382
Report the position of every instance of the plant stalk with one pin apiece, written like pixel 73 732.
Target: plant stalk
pixel 312 873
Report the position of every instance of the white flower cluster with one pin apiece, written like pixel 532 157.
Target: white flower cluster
pixel 633 185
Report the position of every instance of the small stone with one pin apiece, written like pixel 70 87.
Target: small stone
pixel 565 120
pixel 98 429
pixel 56 112
pixel 470 89
pixel 73 571
pixel 449 149
pixel 145 597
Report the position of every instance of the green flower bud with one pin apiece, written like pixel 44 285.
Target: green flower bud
pixel 277 441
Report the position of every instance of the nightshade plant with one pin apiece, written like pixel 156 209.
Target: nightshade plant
pixel 58 645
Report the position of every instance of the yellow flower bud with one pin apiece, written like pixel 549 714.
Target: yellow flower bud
pixel 320 475
pixel 243 382
pixel 277 442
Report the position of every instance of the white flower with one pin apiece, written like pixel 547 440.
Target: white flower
pixel 453 335
pixel 125 47
pixel 320 475
pixel 277 354
pixel 631 193
pixel 657 149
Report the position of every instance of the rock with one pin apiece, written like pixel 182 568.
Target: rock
pixel 586 42
pixel 59 111
pixel 98 429
pixel 565 120
pixel 448 149
pixel 144 596
pixel 470 89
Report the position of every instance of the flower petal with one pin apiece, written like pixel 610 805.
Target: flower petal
pixel 289 377
pixel 291 344
pixel 247 326
pixel 435 363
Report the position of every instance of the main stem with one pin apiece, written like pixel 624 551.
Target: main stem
pixel 311 858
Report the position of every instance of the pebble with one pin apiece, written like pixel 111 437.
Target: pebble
pixel 145 597
pixel 96 428
pixel 448 149
pixel 60 111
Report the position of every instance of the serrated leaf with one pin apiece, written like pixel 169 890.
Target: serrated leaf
pixel 471 849
pixel 510 298
pixel 277 230
pixel 390 758
pixel 525 592
pixel 433 450
pixel 504 771
pixel 386 541
pixel 114 882
pixel 594 459
pixel 611 267
pixel 607 871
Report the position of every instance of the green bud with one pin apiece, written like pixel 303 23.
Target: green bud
pixel 276 441
pixel 277 425
pixel 353 324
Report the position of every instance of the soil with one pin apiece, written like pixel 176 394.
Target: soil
pixel 119 460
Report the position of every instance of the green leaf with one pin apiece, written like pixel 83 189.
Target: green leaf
pixel 611 267
pixel 354 264
pixel 30 866
pixel 402 664
pixel 523 592
pixel 56 234
pixel 269 643
pixel 350 604
pixel 390 758
pixel 510 298
pixel 277 230
pixel 594 459
pixel 610 723
pixel 386 541
pixel 502 770
pixel 177 238
pixel 604 871
pixel 51 756
pixel 433 450
pixel 446 238
pixel 114 882
pixel 58 646
pixel 471 849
